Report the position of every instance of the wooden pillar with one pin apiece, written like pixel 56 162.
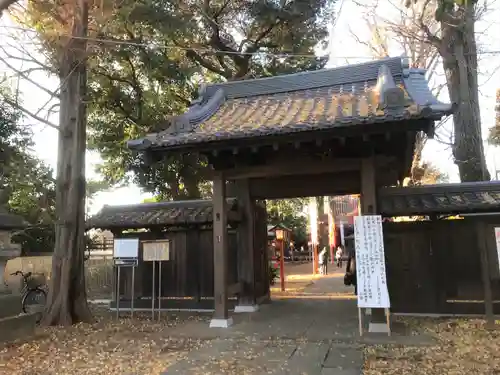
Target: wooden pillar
pixel 282 263
pixel 485 272
pixel 368 187
pixel 378 321
pixel 261 240
pixel 315 257
pixel 246 248
pixel 221 317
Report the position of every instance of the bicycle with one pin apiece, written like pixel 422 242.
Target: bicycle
pixel 33 296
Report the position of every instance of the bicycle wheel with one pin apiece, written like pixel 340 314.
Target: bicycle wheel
pixel 34 301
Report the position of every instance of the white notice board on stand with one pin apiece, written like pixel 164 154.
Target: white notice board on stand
pixel 370 262
pixel 126 248
pixel 371 278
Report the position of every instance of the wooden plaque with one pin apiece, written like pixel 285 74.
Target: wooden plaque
pixel 156 251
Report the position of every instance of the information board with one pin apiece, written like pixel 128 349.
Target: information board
pixel 126 248
pixel 156 251
pixel 370 262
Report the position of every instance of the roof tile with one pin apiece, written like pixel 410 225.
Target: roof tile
pixel 302 102
pixel 176 213
pixel 440 199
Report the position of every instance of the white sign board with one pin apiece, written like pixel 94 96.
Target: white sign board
pixel 497 239
pixel 126 248
pixel 370 262
pixel 156 251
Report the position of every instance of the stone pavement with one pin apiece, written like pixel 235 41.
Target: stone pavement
pixel 271 357
pixel 310 333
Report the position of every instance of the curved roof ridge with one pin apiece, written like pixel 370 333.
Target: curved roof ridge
pixel 212 96
pixel 346 74
pixel 417 87
pixel 162 205
pixel 403 94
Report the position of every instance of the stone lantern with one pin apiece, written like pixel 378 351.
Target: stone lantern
pixel 8 224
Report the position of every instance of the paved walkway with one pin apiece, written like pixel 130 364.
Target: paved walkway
pixel 313 332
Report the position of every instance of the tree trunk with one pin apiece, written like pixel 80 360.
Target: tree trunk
pixel 67 300
pixel 459 52
pixel 420 141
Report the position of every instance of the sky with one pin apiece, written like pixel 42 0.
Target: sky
pixel 344 49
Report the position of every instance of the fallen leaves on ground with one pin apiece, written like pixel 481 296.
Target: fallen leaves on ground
pixel 463 347
pixel 110 346
pixel 291 287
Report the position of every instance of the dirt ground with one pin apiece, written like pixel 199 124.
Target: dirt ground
pixel 107 347
pixel 141 346
pixel 463 347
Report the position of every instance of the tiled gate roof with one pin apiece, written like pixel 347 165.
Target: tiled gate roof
pixel 375 92
pixel 144 215
pixel 458 198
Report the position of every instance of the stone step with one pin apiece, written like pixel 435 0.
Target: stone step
pixel 10 305
pixel 17 327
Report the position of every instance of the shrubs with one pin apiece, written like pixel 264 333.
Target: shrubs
pixel 273 271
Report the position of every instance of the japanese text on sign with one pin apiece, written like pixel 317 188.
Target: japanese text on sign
pixel 370 262
pixel 156 251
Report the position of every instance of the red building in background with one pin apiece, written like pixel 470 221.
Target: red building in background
pixel 342 210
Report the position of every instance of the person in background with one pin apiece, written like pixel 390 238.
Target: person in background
pixel 350 272
pixel 322 262
pixel 338 256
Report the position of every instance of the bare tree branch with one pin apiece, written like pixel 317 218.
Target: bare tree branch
pixel 26 77
pixel 31 114
pixel 30 58
pixel 415 31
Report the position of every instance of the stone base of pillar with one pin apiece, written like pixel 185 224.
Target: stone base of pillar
pixel 264 300
pixel 246 308
pixel 221 323
pixel 378 328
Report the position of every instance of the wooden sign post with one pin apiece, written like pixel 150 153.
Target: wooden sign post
pixel 316 258
pixel 370 267
pixel 280 240
pixel 156 252
pixel 125 254
pixel 282 265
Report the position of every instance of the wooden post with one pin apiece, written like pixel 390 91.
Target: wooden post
pixel 261 239
pixel 369 207
pixel 485 273
pixel 315 257
pixel 220 318
pixel 282 264
pixel 246 249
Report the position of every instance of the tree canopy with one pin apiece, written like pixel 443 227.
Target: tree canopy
pixel 289 212
pixel 427 174
pixel 152 56
pixel 27 184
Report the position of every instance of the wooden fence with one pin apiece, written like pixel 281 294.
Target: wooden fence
pixel 434 267
pixel 98 272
